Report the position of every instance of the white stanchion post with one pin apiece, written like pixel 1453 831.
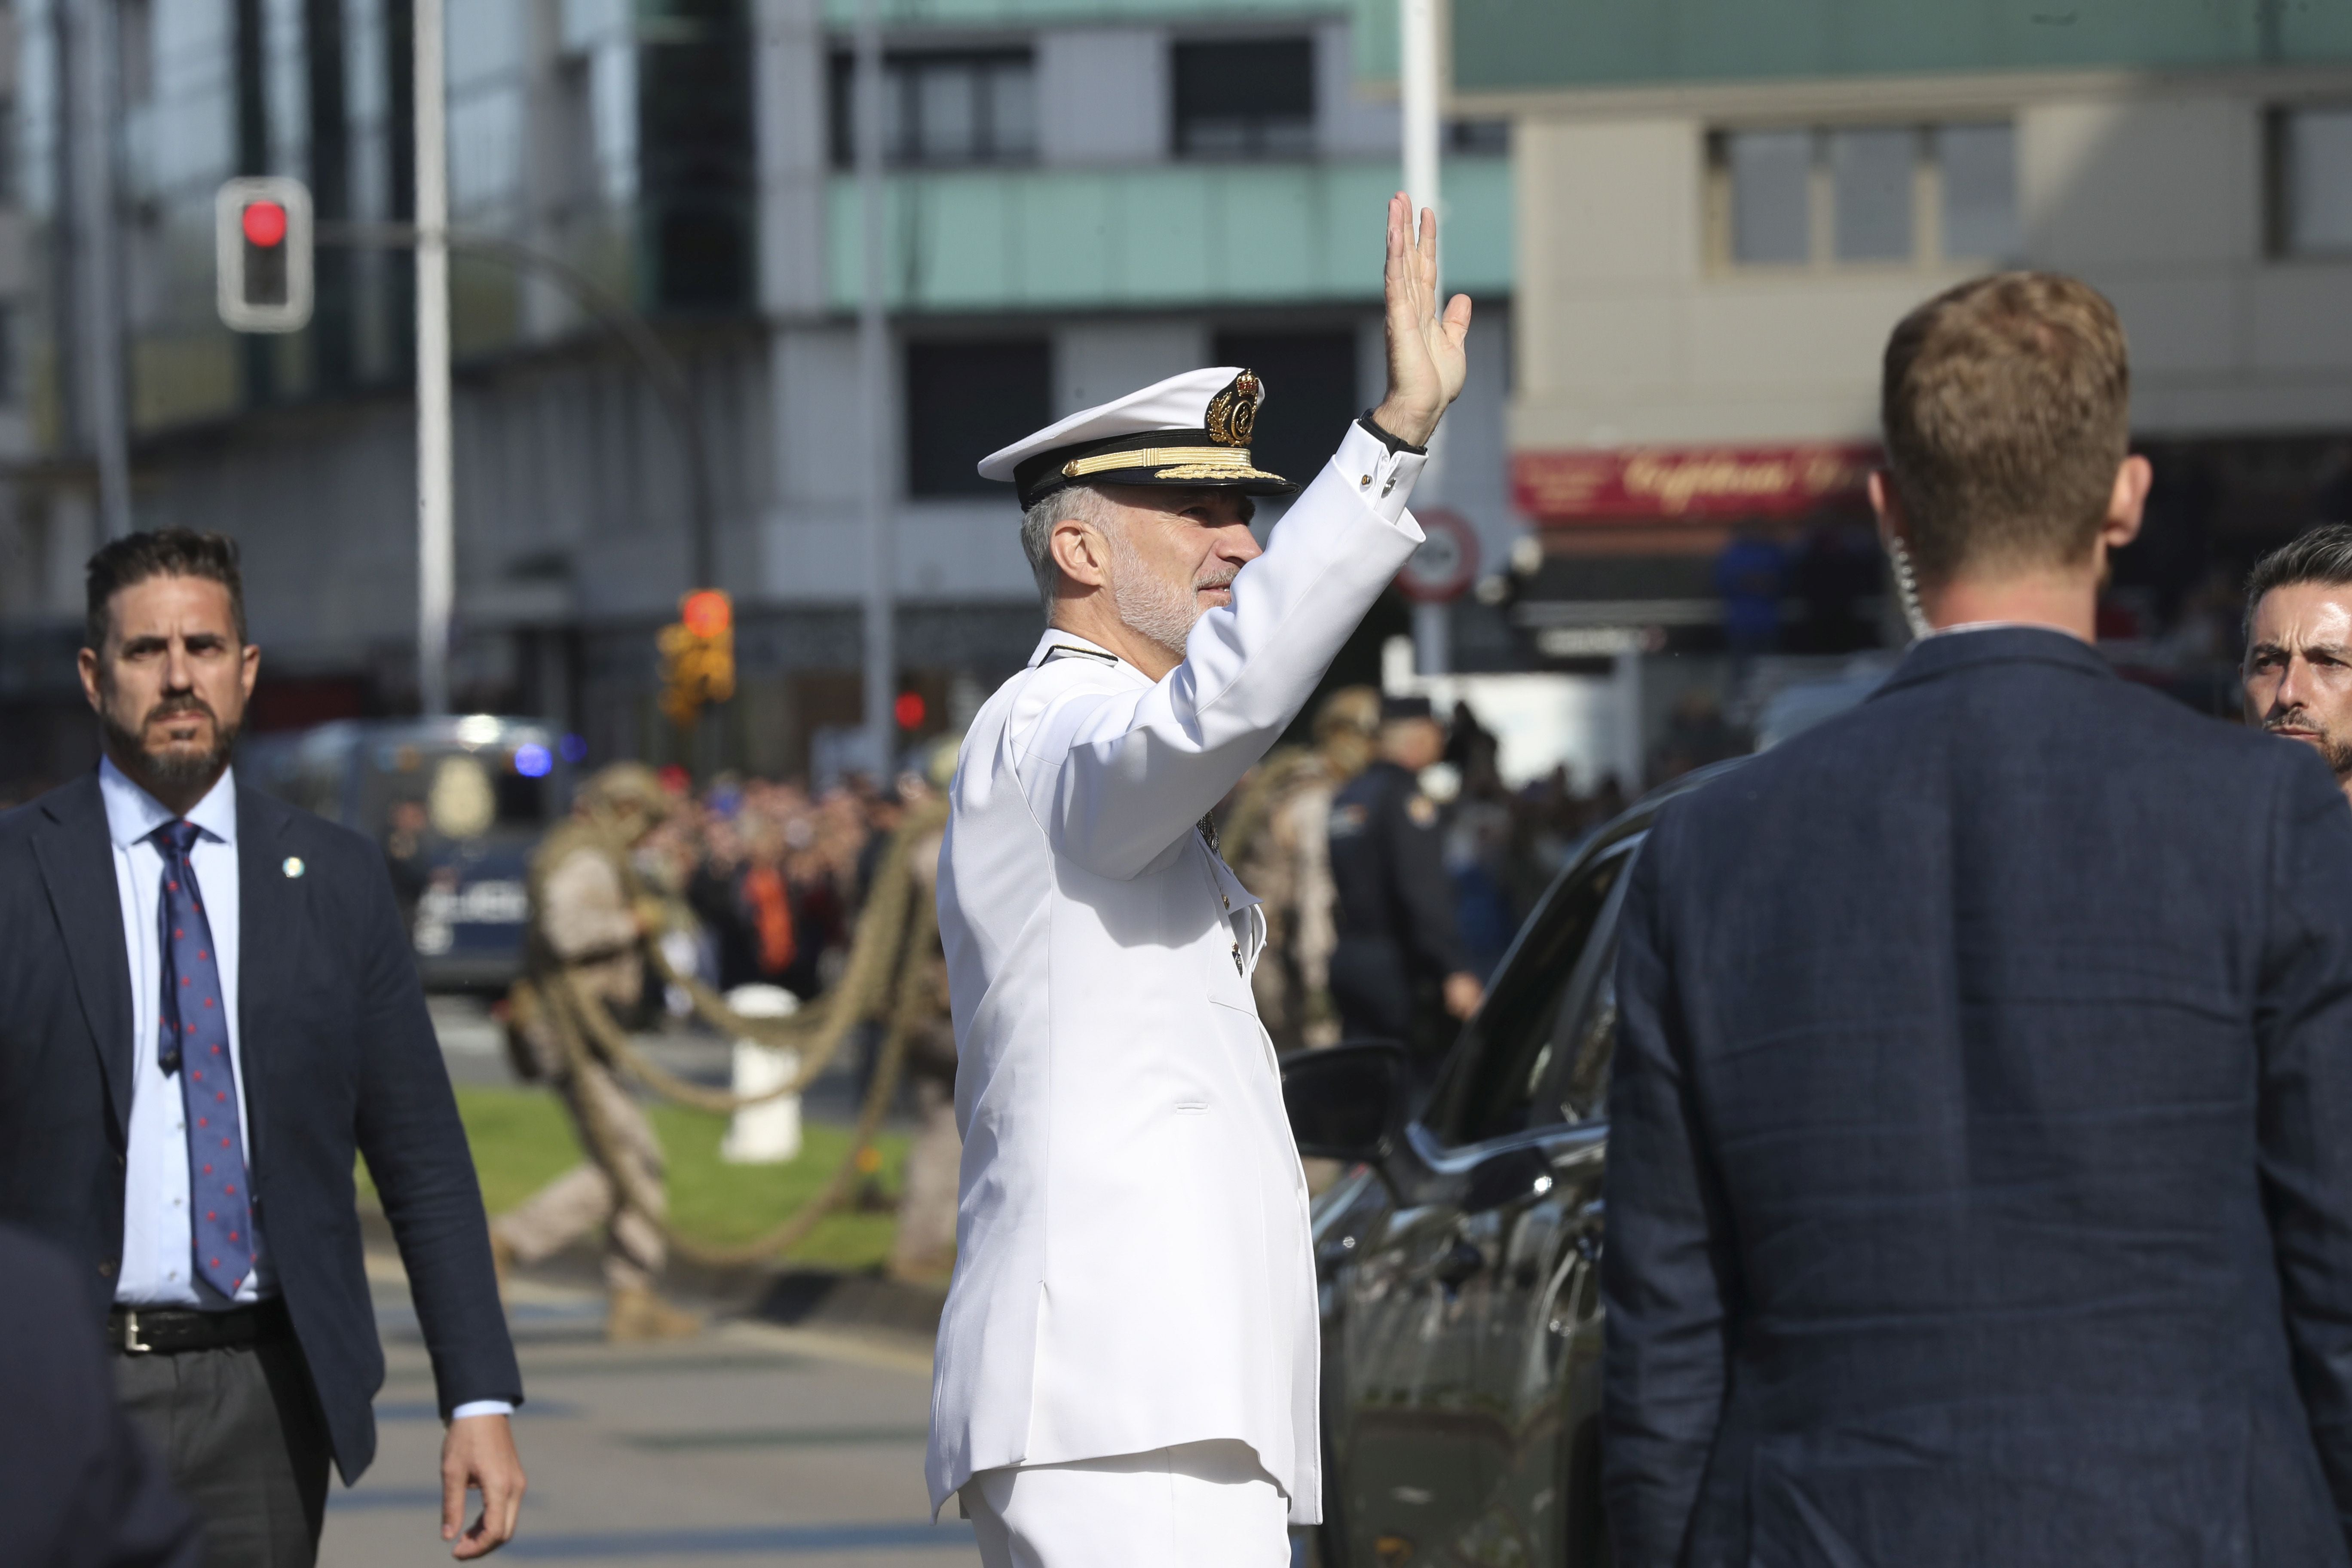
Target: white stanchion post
pixel 767 1133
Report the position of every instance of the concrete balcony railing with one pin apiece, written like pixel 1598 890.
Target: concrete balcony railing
pixel 1163 235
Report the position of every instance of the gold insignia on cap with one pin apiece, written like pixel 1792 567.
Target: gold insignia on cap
pixel 1211 463
pixel 1232 413
pixel 1242 470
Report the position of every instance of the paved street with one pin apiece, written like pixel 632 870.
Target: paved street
pixel 751 1445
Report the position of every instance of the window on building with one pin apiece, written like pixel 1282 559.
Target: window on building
pixel 1479 138
pixel 1899 195
pixel 1870 193
pixel 2312 149
pixel 1977 167
pixel 696 161
pixel 965 400
pixel 1771 174
pixel 964 107
pixel 1310 395
pixel 1244 98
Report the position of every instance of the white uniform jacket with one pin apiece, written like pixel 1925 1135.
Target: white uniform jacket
pixel 1132 1266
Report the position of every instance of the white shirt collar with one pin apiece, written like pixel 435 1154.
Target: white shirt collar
pixel 132 813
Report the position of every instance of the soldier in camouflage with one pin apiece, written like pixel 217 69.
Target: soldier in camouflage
pixel 589 917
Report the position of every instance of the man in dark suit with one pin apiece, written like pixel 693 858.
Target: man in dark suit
pixel 1980 1161
pixel 79 1488
pixel 207 1004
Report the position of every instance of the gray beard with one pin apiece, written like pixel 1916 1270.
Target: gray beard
pixel 1153 608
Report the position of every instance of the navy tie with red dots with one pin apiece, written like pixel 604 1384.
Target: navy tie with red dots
pixel 194 1044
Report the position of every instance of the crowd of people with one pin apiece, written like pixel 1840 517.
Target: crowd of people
pixel 773 871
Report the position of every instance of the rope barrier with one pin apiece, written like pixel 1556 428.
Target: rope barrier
pixel 892 943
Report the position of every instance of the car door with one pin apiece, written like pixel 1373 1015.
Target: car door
pixel 1435 1444
pixel 1543 1364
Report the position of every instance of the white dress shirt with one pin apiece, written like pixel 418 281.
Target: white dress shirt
pixel 1132 1262
pixel 158 1244
pixel 158 1247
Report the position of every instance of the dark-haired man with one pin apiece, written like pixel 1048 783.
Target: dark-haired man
pixel 207 1006
pixel 2298 668
pixel 1976 1184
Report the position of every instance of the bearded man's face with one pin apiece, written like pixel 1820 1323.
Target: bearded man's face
pixel 171 683
pixel 2298 672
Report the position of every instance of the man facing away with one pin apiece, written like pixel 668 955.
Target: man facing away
pixel 208 1006
pixel 1126 1362
pixel 1979 1190
pixel 2298 668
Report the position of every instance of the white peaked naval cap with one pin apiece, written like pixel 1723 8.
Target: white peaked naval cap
pixel 1191 430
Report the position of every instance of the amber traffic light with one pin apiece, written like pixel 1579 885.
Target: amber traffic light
pixel 698 656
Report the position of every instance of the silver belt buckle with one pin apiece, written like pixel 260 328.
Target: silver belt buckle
pixel 131 1343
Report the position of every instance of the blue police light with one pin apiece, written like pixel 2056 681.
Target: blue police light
pixel 532 759
pixel 574 748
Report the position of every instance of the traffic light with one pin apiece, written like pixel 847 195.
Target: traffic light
pixel 261 243
pixel 698 656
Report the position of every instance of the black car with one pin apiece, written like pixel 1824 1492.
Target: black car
pixel 1460 1302
pixel 477 793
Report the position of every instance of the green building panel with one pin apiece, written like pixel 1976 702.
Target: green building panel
pixel 1505 46
pixel 1170 236
pixel 843 13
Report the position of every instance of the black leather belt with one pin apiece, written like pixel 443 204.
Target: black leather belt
pixel 168 1330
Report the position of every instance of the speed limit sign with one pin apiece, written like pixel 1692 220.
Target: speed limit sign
pixel 1447 562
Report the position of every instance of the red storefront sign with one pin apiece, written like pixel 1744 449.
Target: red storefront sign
pixel 1631 483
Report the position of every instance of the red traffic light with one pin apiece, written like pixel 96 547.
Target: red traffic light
pixel 707 613
pixel 910 710
pixel 265 224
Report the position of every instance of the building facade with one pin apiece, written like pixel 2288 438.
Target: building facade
pixel 1723 210
pixel 1074 205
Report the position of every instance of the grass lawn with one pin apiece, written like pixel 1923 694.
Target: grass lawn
pixel 523 1140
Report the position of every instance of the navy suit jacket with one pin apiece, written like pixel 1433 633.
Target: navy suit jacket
pixel 338 1057
pixel 1980 1161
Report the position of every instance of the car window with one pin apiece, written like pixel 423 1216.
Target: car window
pixel 1492 1084
pixel 1586 1040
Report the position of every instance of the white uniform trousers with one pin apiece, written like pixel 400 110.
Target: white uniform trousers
pixel 1198 1505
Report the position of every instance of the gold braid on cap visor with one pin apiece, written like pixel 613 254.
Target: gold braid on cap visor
pixel 1174 463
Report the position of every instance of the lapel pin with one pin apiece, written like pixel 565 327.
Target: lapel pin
pixel 293 866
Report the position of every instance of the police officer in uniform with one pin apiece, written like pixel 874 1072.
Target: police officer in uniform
pixel 1400 972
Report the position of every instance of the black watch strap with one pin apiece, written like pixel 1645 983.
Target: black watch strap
pixel 1393 443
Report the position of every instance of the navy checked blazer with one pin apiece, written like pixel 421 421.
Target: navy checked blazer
pixel 1980 1161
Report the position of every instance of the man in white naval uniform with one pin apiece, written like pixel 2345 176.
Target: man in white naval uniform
pixel 1127 1371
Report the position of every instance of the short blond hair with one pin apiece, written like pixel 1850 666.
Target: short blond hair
pixel 2006 408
